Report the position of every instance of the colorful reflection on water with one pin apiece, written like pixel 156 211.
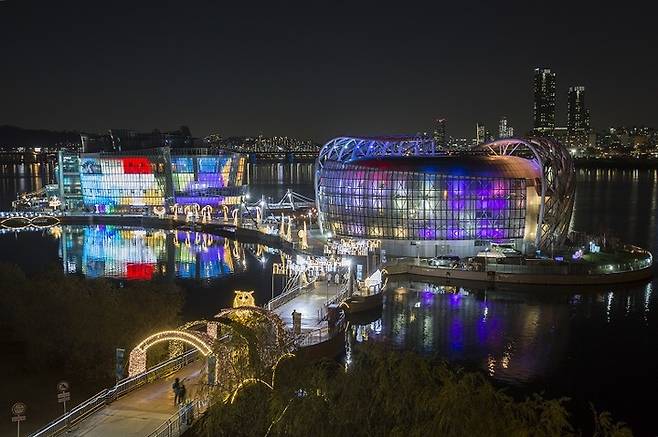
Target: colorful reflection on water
pixel 143 254
pixel 515 335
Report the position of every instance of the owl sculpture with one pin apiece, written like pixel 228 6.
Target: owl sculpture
pixel 244 299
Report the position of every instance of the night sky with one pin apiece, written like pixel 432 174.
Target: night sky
pixel 318 69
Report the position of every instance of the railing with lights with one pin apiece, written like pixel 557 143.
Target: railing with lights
pixel 121 388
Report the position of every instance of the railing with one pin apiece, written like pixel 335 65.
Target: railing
pixel 340 296
pixel 182 420
pixel 121 388
pixel 320 335
pixel 287 296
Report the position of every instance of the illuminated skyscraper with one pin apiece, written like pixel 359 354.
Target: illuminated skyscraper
pixel 505 130
pixel 482 135
pixel 439 134
pixel 544 104
pixel 577 113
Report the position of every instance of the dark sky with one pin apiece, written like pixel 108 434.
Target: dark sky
pixel 318 69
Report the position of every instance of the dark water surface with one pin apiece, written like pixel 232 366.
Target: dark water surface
pixel 595 344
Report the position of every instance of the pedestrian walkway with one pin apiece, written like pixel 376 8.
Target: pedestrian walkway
pixel 310 304
pixel 141 412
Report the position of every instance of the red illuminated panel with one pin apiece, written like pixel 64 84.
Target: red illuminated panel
pixel 136 165
pixel 139 271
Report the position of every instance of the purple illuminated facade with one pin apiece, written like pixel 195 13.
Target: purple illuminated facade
pixel 404 192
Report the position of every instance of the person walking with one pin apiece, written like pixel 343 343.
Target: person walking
pixel 182 393
pixel 176 386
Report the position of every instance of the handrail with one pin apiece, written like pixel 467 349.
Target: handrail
pixel 287 296
pixel 106 396
pixel 182 419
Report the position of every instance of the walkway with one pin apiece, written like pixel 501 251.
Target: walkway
pixel 311 304
pixel 142 411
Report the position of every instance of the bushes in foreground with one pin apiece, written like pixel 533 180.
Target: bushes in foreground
pixel 388 393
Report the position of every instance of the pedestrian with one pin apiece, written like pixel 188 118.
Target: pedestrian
pixel 181 396
pixel 176 388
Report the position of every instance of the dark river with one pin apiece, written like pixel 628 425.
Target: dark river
pixel 595 344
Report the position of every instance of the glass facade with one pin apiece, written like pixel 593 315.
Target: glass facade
pixel 123 183
pixel 208 180
pixel 140 183
pixel 384 203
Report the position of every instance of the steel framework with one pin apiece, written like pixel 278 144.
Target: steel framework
pixel 556 186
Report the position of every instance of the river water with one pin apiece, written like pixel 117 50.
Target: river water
pixel 595 344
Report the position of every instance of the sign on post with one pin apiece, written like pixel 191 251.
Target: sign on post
pixel 119 361
pixel 18 410
pixel 64 395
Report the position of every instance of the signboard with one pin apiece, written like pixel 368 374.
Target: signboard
pixel 359 272
pixel 118 363
pixel 62 386
pixel 63 397
pixel 18 409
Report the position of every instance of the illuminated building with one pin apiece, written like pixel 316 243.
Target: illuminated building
pixel 504 129
pixel 418 200
pixel 440 134
pixel 143 180
pixel 544 100
pixel 577 112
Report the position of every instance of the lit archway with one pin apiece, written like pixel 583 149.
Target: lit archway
pixel 199 340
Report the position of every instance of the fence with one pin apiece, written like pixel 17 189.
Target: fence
pixel 182 420
pixel 289 295
pixel 121 388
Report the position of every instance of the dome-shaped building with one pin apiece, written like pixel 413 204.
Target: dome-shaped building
pixel 422 201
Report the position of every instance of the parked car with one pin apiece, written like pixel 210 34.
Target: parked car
pixel 443 261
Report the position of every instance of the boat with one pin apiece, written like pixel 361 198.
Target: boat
pixel 358 303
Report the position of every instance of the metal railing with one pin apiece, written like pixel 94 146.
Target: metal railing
pixel 288 295
pixel 182 420
pixel 321 334
pixel 121 388
pixel 340 296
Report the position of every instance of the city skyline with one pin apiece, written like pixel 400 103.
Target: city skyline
pixel 315 73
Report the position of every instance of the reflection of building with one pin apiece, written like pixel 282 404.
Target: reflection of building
pixel 135 253
pixel 418 201
pixel 508 335
pixel 141 181
pixel 544 99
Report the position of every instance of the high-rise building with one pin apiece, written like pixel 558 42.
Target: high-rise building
pixel 482 135
pixel 577 112
pixel 544 102
pixel 439 135
pixel 504 129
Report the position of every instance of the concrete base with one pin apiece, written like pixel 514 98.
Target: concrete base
pixel 514 278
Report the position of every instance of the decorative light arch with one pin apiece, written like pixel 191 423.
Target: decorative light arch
pixel 199 340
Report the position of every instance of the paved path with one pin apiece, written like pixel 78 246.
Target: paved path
pixel 139 413
pixel 308 303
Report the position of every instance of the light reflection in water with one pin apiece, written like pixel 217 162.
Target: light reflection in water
pixel 516 336
pixel 142 254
